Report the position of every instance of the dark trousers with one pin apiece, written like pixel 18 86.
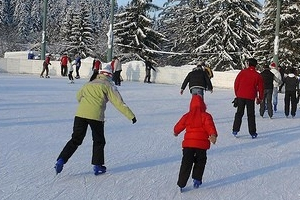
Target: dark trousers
pixel 267 101
pixel 195 159
pixel 77 71
pixel 45 68
pixel 94 75
pixel 290 100
pixel 148 76
pixel 63 70
pixel 70 75
pixel 79 132
pixel 117 78
pixel 241 104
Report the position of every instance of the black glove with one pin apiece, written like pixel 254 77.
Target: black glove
pixel 134 120
pixel 235 103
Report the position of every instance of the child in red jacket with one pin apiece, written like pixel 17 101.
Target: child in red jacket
pixel 200 131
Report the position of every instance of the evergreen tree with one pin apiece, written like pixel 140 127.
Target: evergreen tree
pixel 55 15
pixel 66 28
pixel 133 30
pixel 288 35
pixel 182 22
pixel 23 22
pixel 231 33
pixel 81 38
pixel 100 15
pixel 265 45
pixel 8 41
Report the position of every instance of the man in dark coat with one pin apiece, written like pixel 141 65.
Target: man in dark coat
pixel 198 81
pixel 268 78
pixel 291 90
pixel 148 68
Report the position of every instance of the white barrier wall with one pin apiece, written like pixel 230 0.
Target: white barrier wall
pixel 132 71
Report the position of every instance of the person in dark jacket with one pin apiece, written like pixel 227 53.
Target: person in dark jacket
pixel 148 68
pixel 248 86
pixel 198 81
pixel 268 78
pixel 291 88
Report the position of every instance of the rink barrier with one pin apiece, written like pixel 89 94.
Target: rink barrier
pixel 131 71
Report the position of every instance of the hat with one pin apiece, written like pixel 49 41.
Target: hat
pixel 273 65
pixel 106 70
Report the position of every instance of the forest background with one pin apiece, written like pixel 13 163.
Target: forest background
pixel 221 32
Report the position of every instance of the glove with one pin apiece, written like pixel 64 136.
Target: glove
pixel 235 103
pixel 175 134
pixel 212 139
pixel 134 120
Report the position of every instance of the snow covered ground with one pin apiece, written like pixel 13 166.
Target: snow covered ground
pixel 143 159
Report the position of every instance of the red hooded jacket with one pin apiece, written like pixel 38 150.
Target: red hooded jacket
pixel 198 124
pixel 249 84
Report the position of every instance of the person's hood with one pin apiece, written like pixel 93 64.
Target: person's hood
pixel 197 103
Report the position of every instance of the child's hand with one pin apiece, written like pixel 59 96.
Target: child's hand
pixel 212 139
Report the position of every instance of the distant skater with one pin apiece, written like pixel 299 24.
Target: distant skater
pixel 71 69
pixel 148 68
pixel 45 66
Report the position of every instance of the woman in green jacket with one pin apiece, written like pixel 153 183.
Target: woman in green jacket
pixel 92 98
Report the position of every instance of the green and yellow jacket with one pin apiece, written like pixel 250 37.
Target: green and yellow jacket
pixel 94 95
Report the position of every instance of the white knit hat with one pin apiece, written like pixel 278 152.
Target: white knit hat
pixel 106 70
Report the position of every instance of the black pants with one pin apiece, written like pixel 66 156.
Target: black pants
pixel 241 104
pixel 267 101
pixel 117 78
pixel 70 75
pixel 94 75
pixel 45 68
pixel 79 132
pixel 148 76
pixel 195 159
pixel 77 71
pixel 290 99
pixel 63 70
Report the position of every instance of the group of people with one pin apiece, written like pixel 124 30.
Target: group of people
pixel 66 66
pixel 92 99
pixel 250 87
